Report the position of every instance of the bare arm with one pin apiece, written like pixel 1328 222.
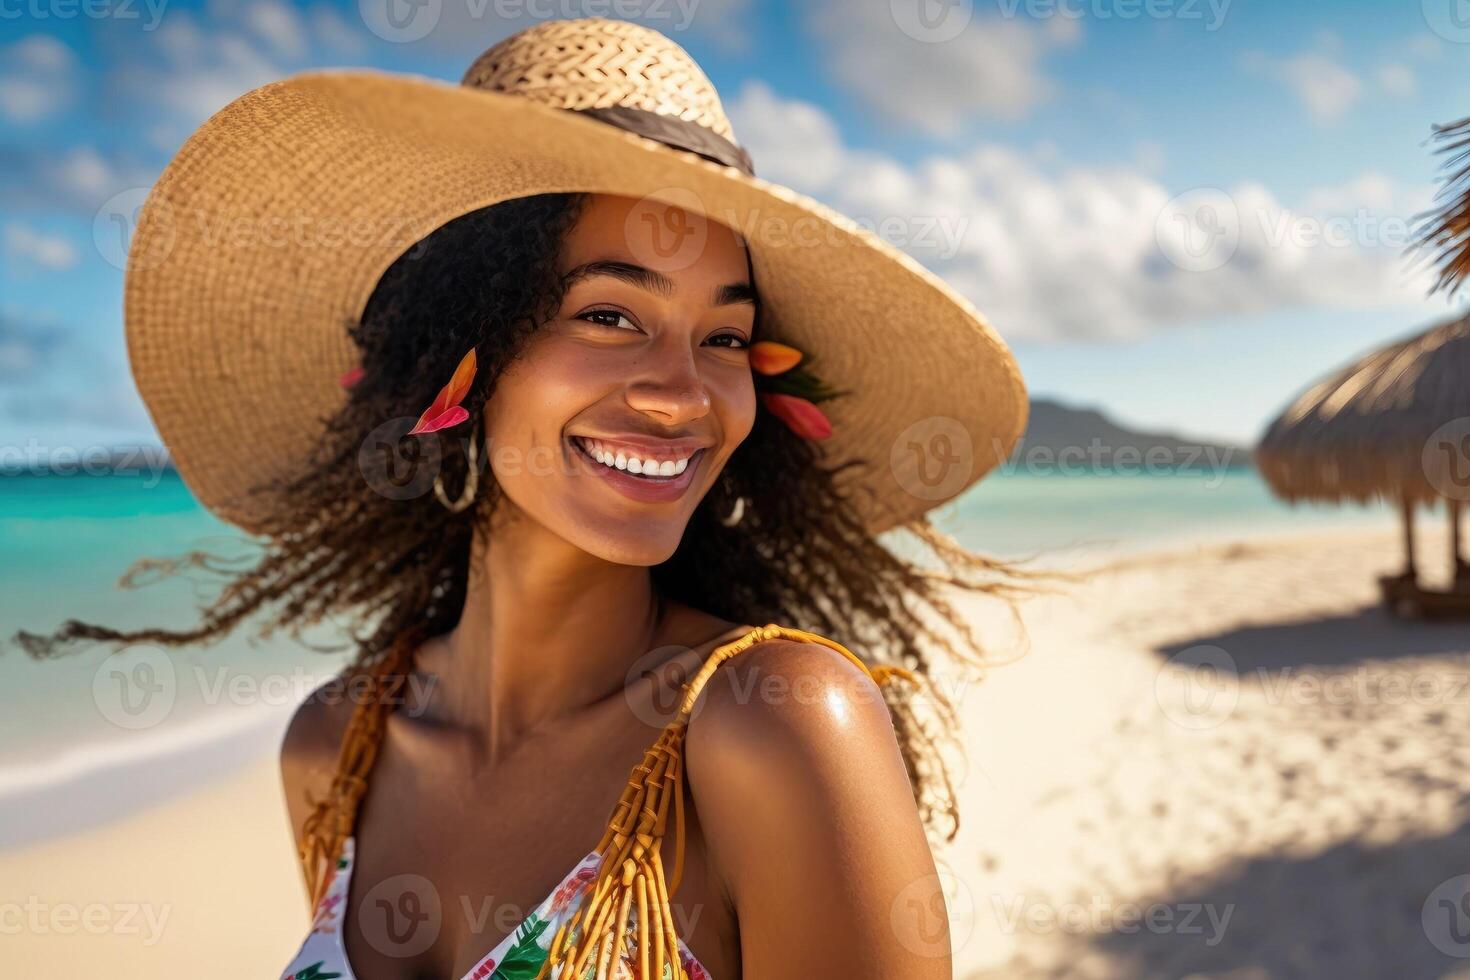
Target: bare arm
pixel 811 822
pixel 310 750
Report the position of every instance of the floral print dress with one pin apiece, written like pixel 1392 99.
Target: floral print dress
pixel 519 956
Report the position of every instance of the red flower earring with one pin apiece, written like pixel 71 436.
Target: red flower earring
pixel 446 410
pixel 791 393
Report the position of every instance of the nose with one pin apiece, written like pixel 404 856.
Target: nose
pixel 667 385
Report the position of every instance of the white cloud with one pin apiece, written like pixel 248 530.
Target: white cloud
pixel 1051 252
pixel 991 69
pixel 280 26
pixel 1324 87
pixel 47 251
pixel 38 78
pixel 336 34
pixel 798 140
pixel 1397 79
pixel 195 66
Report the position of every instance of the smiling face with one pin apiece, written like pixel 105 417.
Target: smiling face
pixel 645 367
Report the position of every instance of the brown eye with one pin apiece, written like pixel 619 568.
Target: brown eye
pixel 614 317
pixel 740 343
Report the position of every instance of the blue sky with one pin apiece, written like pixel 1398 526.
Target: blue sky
pixel 1053 159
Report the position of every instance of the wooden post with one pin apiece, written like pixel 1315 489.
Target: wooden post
pixel 1409 571
pixel 1452 504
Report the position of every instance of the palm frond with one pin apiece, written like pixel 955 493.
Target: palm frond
pixel 1443 232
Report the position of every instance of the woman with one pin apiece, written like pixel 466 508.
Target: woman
pixel 570 451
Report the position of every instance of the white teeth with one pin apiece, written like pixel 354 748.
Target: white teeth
pixel 621 460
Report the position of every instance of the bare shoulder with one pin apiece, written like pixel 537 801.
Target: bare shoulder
pixel 311 745
pixel 803 796
pixel 787 695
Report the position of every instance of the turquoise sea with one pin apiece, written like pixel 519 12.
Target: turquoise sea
pixel 66 540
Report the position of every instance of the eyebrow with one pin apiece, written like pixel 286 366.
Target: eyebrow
pixel 656 282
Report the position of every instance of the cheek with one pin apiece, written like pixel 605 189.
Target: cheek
pixel 739 403
pixel 540 392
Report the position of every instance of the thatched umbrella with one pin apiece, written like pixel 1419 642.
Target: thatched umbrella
pixel 1396 424
pixel 1388 426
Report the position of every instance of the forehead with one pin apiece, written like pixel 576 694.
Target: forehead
pixel 680 243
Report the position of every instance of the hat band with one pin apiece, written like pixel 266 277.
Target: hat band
pixel 676 132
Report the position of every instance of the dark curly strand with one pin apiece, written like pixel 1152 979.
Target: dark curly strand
pixel 396 569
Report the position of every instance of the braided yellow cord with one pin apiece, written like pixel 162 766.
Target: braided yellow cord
pixel 631 872
pixel 329 824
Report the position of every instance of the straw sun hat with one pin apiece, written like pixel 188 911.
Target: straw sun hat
pixel 266 234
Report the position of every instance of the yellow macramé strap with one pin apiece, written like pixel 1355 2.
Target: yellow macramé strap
pixel 631 872
pixel 327 827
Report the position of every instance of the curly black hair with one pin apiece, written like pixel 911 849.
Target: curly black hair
pixel 390 563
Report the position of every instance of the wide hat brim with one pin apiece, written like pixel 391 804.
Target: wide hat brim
pixel 266 234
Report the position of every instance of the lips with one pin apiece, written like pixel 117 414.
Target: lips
pixel 651 489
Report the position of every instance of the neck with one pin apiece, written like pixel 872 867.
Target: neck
pixel 547 631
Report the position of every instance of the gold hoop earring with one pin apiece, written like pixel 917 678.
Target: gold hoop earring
pixel 471 480
pixel 737 513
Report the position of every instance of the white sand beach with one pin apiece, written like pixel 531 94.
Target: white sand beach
pixel 1286 815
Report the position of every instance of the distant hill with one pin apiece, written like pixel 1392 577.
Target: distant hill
pixel 1058 438
pixel 1062 438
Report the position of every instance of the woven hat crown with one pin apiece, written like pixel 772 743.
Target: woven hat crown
pixel 597 63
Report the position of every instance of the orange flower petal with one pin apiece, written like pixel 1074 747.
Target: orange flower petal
pixel 803 417
pixel 769 357
pixel 459 385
